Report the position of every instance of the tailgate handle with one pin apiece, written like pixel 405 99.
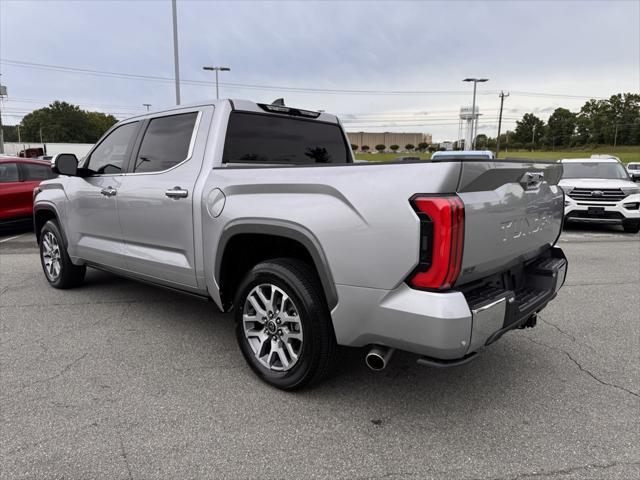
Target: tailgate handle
pixel 532 180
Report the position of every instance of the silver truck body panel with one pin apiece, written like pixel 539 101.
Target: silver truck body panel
pixel 355 219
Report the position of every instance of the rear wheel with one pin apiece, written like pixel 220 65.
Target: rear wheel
pixel 283 326
pixel 56 264
pixel 631 227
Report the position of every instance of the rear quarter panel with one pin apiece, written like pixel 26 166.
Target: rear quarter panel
pixel 358 214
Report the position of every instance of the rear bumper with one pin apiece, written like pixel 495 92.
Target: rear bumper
pixel 445 326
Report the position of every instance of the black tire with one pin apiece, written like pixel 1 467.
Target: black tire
pixel 69 275
pixel 631 227
pixel 319 349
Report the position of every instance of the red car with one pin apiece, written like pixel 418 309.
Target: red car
pixel 18 178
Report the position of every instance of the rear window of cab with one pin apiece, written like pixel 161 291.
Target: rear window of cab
pixel 272 139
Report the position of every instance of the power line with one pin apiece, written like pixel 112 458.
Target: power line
pixel 42 66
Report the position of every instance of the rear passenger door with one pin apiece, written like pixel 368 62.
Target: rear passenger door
pixel 15 200
pixel 155 200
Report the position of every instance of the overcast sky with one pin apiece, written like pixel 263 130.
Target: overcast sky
pixel 567 49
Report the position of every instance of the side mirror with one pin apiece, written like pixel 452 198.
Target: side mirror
pixel 65 164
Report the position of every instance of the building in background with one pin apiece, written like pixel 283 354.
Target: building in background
pixel 371 139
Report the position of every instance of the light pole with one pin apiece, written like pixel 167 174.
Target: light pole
pixel 473 108
pixel 176 61
pixel 217 69
pixel 146 105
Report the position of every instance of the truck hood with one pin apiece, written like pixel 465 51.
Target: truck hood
pixel 595 183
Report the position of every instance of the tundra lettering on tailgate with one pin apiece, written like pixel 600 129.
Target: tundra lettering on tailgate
pixel 523 226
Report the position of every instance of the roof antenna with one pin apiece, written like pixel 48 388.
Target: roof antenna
pixel 279 102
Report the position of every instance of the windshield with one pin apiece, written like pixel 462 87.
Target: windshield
pixel 634 166
pixel 594 170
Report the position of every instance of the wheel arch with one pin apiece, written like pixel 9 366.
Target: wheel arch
pixel 274 239
pixel 42 213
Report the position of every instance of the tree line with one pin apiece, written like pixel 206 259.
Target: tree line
pixel 615 121
pixel 60 122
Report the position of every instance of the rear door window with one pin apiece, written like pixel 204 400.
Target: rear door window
pixel 9 173
pixel 34 172
pixel 271 139
pixel 166 143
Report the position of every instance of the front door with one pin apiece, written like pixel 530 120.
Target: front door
pixel 92 216
pixel 155 201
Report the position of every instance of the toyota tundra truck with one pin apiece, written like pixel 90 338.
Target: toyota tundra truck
pixel 261 209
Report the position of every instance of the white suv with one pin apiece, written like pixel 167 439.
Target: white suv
pixel 599 190
pixel 633 168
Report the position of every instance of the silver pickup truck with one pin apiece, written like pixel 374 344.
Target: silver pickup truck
pixel 261 209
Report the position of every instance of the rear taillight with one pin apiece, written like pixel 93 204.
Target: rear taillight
pixel 441 240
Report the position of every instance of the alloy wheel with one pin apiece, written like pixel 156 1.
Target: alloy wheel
pixel 272 327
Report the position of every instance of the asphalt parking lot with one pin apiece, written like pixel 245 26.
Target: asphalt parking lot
pixel 121 380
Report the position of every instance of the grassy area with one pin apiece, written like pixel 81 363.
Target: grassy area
pixel 626 154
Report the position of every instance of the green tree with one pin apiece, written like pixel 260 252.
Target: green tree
pixel 354 147
pixel 409 146
pixel 422 146
pixel 481 141
pixel 561 127
pixel 364 148
pixel 10 133
pixel 623 119
pixel 380 148
pixel 394 148
pixel 97 124
pixel 63 122
pixel 526 127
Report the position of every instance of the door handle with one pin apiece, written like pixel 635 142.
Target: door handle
pixel 177 192
pixel 108 192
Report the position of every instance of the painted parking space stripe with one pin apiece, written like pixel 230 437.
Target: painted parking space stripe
pixel 11 238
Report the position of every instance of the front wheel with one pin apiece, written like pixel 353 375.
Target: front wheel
pixel 283 326
pixel 56 264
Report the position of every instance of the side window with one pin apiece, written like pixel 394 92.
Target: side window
pixel 34 172
pixel 110 155
pixel 165 143
pixel 9 173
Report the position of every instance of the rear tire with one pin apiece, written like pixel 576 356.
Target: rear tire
pixel 631 227
pixel 283 325
pixel 56 264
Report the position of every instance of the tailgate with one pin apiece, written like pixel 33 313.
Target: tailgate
pixel 513 212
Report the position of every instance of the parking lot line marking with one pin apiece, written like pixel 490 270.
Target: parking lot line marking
pixel 11 238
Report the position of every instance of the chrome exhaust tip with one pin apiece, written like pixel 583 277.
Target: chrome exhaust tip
pixel 378 357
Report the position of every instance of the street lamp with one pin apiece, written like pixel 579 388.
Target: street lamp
pixel 217 69
pixel 146 105
pixel 473 108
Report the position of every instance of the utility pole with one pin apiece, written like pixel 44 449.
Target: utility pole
pixel 502 97
pixel 533 137
pixel 615 137
pixel 175 50
pixel 3 93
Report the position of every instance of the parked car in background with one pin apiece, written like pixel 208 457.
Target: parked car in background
pixel 18 178
pixel 633 169
pixel 470 154
pixel 599 190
